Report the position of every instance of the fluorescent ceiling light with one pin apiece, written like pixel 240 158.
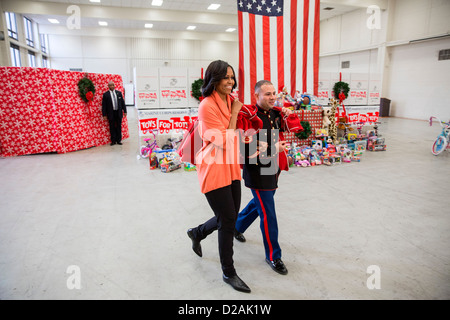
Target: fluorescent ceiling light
pixel 103 23
pixel 94 0
pixel 53 21
pixel 213 6
pixel 191 28
pixel 149 25
pixel 230 30
pixel 157 3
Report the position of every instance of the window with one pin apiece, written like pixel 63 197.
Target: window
pixel 444 54
pixel 44 43
pixel 44 62
pixel 15 55
pixel 32 59
pixel 28 32
pixel 12 25
pixel 345 64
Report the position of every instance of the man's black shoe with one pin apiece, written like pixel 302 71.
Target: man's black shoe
pixel 119 143
pixel 236 283
pixel 278 266
pixel 196 246
pixel 112 143
pixel 239 236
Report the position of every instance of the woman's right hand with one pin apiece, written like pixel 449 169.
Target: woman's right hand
pixel 236 106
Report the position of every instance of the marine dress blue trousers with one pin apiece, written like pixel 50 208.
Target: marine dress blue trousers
pixel 262 205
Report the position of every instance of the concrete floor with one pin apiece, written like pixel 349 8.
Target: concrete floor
pixel 98 224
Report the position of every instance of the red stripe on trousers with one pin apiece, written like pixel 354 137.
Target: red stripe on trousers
pixel 266 226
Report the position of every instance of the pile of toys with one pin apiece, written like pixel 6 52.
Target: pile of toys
pixel 319 153
pixel 305 101
pixel 167 160
pixel 348 148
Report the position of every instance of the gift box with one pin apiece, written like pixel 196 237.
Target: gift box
pixel 315 119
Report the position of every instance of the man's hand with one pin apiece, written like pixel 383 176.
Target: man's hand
pixel 262 146
pixel 281 146
pixel 286 112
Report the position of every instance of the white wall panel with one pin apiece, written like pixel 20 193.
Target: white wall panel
pixel 415 19
pixel 418 83
pixel 104 47
pixel 62 46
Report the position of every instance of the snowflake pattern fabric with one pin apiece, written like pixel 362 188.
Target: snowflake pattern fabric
pixel 42 111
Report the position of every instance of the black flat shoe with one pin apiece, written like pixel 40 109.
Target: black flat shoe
pixel 239 236
pixel 195 243
pixel 236 283
pixel 112 143
pixel 278 266
pixel 119 143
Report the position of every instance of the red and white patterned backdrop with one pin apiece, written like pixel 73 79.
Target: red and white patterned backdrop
pixel 41 111
pixel 315 119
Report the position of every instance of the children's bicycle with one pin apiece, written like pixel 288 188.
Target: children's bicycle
pixel 147 150
pixel 441 142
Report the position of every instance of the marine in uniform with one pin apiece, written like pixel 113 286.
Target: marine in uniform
pixel 261 169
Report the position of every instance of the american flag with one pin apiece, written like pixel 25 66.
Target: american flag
pixel 279 42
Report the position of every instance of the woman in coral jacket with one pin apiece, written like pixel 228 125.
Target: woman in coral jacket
pixel 218 167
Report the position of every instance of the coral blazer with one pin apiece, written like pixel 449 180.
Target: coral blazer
pixel 218 159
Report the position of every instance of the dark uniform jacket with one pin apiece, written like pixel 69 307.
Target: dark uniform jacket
pixel 262 171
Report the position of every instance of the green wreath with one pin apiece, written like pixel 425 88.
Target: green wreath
pixel 86 85
pixel 341 87
pixel 302 135
pixel 196 89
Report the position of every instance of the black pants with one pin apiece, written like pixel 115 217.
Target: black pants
pixel 115 126
pixel 225 202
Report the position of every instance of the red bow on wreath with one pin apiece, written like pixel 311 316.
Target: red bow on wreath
pixel 342 97
pixel 90 95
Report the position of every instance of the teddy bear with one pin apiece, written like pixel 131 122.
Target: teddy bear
pixel 326 117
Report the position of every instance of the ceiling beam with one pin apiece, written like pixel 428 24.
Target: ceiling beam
pixel 138 33
pixel 108 12
pixel 383 4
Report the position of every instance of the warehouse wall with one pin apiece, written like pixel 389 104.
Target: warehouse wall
pixel 404 50
pixel 120 54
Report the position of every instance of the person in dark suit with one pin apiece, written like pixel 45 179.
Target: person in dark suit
pixel 113 109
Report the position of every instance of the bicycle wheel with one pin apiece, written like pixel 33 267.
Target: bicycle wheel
pixel 439 145
pixel 145 151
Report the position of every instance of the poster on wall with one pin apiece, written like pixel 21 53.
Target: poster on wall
pixel 359 84
pixel 325 88
pixel 147 88
pixel 374 94
pixel 173 86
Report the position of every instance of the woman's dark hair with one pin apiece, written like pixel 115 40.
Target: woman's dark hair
pixel 216 71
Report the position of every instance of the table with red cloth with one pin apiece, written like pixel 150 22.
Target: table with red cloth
pixel 41 111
